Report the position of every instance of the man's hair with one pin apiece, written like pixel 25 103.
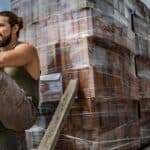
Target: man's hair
pixel 13 19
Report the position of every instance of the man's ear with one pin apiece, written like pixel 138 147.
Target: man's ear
pixel 15 28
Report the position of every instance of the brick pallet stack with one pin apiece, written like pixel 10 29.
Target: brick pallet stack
pixel 99 50
pixel 141 24
pixel 96 41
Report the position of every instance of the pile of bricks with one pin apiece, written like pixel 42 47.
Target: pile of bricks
pixel 105 44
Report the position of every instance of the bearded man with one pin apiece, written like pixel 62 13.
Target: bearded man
pixel 19 81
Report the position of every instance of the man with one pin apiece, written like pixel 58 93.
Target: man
pixel 19 76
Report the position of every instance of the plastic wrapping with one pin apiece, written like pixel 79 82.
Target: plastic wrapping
pixel 93 22
pixel 67 6
pixel 35 133
pixel 50 59
pixel 53 29
pixel 35 11
pixel 142 11
pixel 87 125
pixel 42 33
pixel 82 52
pixel 123 137
pixel 96 41
pixel 31 34
pixel 47 56
pixel 145 120
pixel 143 44
pixel 24 9
pixel 94 83
pixel 144 88
pixel 83 23
pixel 141 26
pixel 98 113
pixel 142 67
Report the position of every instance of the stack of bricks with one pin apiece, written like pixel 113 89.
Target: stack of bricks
pixel 105 44
pixel 141 24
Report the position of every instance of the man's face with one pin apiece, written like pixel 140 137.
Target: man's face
pixel 5 31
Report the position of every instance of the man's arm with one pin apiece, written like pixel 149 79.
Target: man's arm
pixel 22 55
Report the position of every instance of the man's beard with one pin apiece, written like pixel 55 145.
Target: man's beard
pixel 5 40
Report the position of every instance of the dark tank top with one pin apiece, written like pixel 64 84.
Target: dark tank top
pixel 25 81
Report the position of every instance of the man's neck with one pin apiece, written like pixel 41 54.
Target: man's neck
pixel 11 45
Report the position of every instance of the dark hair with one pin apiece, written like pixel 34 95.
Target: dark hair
pixel 13 19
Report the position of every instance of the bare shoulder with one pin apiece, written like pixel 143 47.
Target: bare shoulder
pixel 27 50
pixel 29 54
pixel 26 47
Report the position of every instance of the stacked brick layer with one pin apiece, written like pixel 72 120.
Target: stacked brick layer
pixel 105 44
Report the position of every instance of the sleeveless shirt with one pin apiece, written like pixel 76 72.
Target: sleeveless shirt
pixel 9 139
pixel 24 81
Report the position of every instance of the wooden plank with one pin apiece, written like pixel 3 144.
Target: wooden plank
pixel 51 135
